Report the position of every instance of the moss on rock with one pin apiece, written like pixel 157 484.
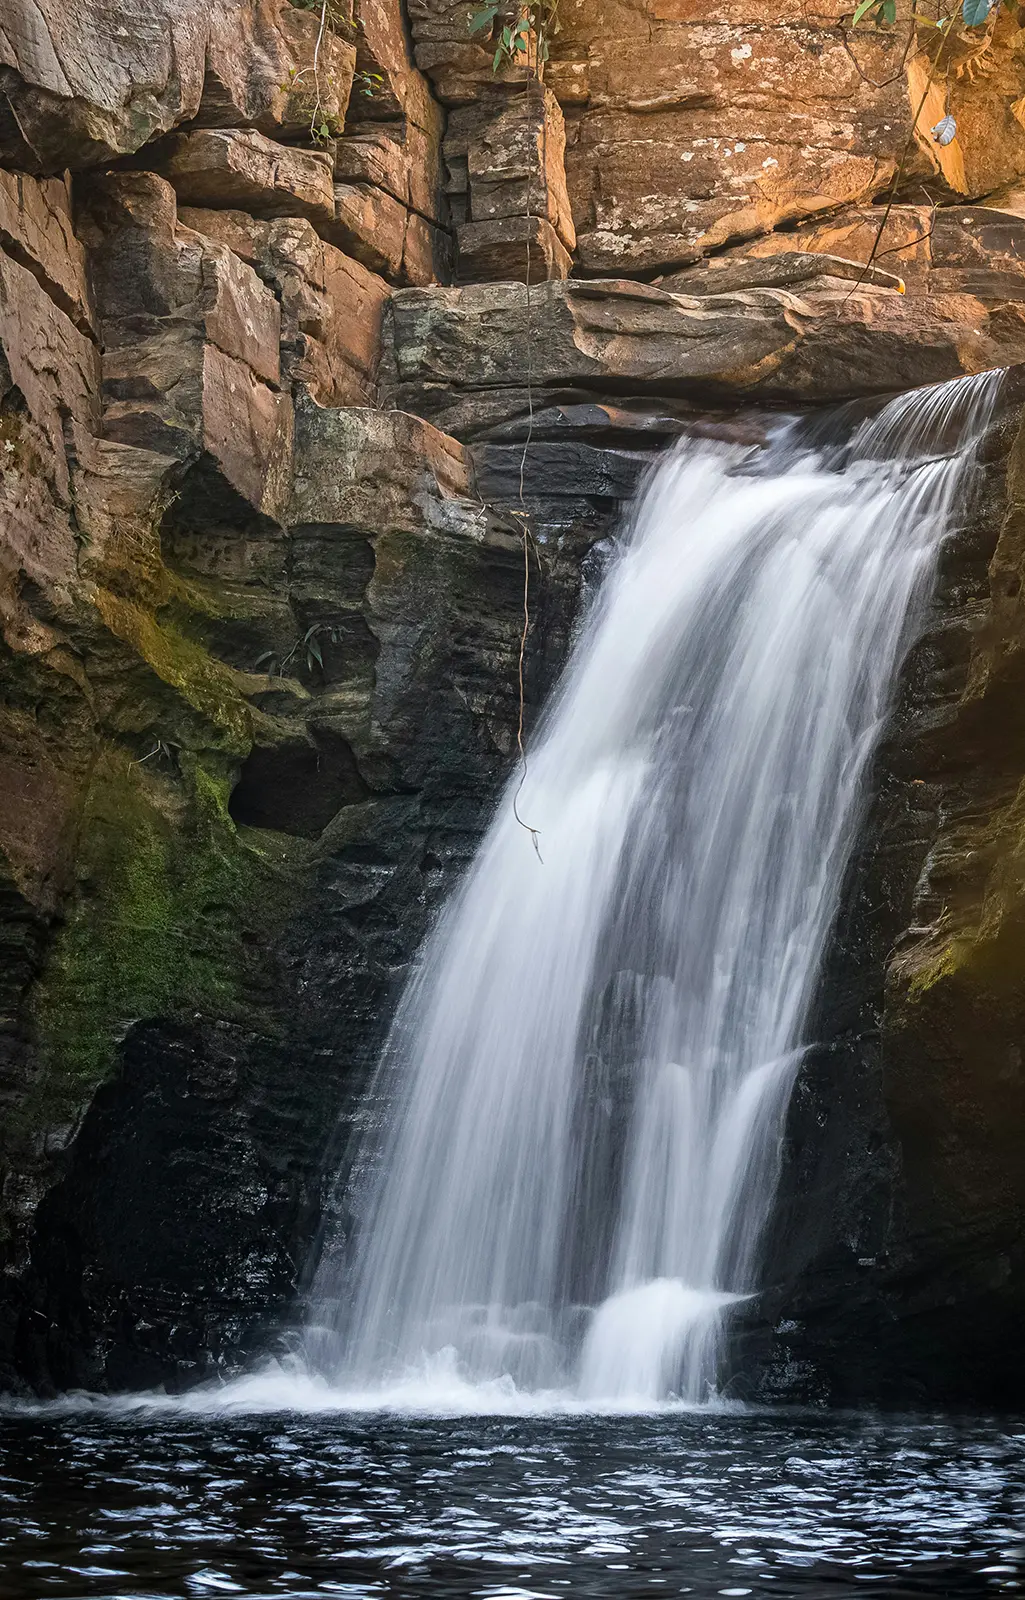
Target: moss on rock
pixel 170 913
pixel 205 684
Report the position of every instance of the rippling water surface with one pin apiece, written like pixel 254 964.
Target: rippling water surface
pixel 177 1500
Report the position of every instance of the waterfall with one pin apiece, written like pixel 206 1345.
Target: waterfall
pixel 587 1079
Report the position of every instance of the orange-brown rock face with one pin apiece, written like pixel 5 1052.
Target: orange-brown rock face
pixel 706 124
pixel 89 80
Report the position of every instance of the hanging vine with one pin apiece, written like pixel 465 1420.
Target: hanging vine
pixel 522 41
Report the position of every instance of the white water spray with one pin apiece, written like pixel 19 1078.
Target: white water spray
pixel 589 1073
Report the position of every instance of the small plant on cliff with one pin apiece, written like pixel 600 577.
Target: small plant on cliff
pixel 960 26
pixel 306 650
pixel 308 105
pixel 538 23
pixel 305 83
pixel 367 83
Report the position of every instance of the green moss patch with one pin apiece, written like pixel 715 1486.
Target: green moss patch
pixel 171 915
pixel 204 684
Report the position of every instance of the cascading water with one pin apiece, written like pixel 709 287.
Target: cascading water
pixel 588 1075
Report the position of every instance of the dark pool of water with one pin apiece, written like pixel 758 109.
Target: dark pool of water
pixel 163 1502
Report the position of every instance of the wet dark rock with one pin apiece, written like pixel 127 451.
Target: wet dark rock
pixel 249 900
pixel 297 788
pixel 558 469
pixel 896 1265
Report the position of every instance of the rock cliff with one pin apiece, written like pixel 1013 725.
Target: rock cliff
pixel 325 342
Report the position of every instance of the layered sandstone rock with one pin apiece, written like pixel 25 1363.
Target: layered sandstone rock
pixel 828 338
pixel 87 80
pixel 231 619
pixel 331 306
pixel 505 159
pixel 391 209
pixel 706 125
pixel 191 341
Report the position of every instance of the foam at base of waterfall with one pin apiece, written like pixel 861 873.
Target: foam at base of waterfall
pixel 434 1387
pixel 641 1339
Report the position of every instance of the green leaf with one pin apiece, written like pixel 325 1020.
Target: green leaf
pixel 499 53
pixel 482 18
pixel 313 653
pixel 865 5
pixel 888 11
pixel 976 12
